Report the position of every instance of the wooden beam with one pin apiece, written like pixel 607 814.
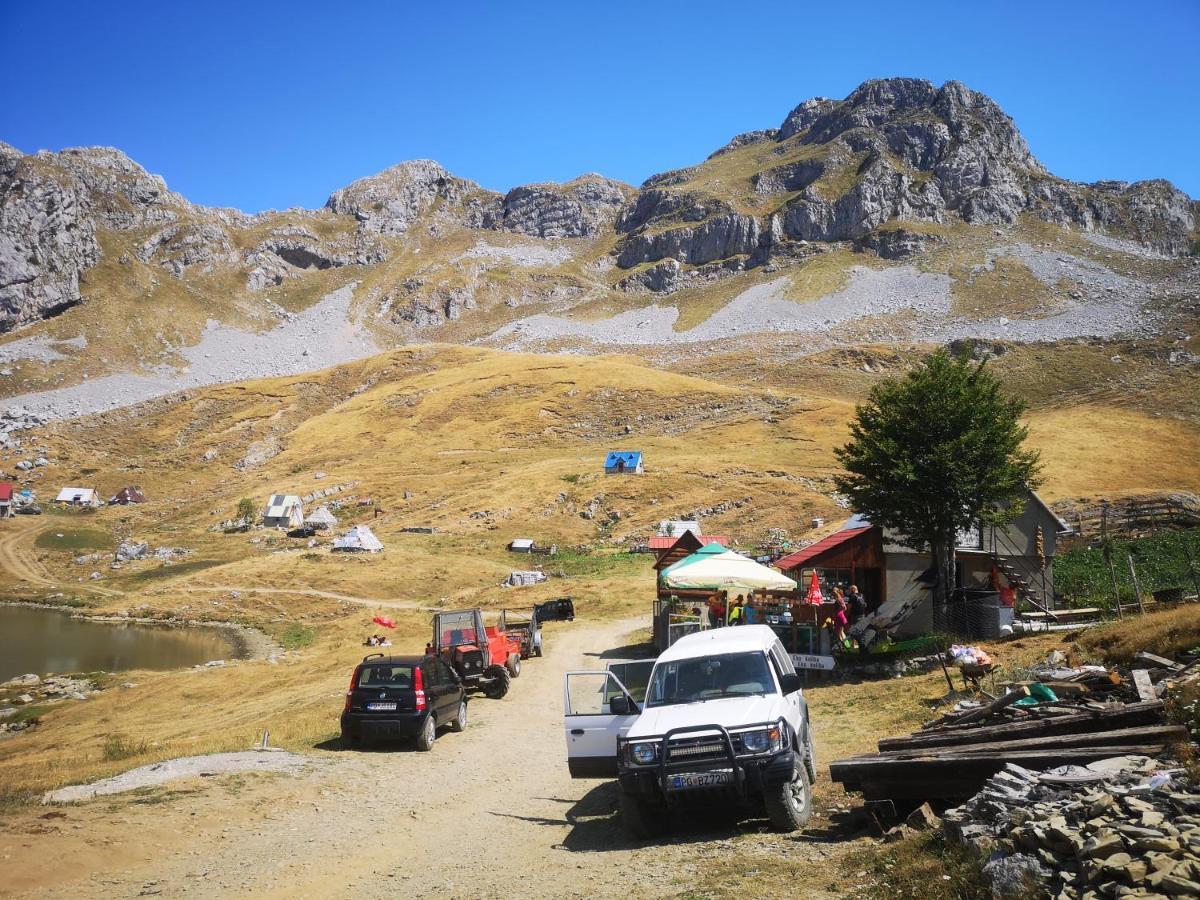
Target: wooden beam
pixel 1126 716
pixel 1144 734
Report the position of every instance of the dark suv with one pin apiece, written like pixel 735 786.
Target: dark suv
pixel 402 697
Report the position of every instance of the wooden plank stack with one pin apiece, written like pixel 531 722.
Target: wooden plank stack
pixel 1099 714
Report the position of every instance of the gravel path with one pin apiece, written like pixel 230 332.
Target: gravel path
pixel 184 767
pixel 321 336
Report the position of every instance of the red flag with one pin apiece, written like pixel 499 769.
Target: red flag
pixel 386 623
pixel 814 591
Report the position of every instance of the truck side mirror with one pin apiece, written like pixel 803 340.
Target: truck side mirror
pixel 789 683
pixel 622 706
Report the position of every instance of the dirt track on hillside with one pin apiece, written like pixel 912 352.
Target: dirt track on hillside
pixel 488 813
pixel 19 562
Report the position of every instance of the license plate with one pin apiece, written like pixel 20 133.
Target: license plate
pixel 381 707
pixel 699 780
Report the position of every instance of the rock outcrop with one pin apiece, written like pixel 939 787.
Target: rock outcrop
pixel 895 150
pixel 47 240
pixel 580 208
pixel 390 202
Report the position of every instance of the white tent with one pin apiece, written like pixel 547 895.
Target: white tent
pixel 321 517
pixel 725 572
pixel 78 496
pixel 357 539
pixel 284 511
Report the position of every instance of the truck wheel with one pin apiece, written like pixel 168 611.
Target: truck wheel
pixel 514 664
pixel 538 651
pixel 459 722
pixel 497 686
pixel 643 819
pixel 789 805
pixel 428 734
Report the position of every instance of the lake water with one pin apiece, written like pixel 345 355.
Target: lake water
pixel 47 640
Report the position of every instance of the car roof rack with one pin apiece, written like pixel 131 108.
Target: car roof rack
pixel 372 656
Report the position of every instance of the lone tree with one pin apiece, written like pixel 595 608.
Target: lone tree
pixel 935 452
pixel 247 510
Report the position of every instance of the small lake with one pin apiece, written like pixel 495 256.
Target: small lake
pixel 48 640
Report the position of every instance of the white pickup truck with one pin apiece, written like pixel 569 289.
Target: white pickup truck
pixel 722 719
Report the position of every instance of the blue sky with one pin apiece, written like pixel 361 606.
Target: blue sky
pixel 272 104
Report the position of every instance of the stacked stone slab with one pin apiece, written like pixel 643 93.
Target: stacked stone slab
pixel 1123 827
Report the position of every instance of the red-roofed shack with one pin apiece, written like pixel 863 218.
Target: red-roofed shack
pixel 846 557
pixel 669 549
pixel 6 499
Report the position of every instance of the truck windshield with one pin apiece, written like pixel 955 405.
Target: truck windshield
pixel 710 678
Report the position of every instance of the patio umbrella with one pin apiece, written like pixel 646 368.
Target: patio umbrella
pixel 708 551
pixel 814 591
pixel 724 571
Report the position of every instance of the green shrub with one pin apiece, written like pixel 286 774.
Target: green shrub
pixel 296 635
pixel 1082 576
pixel 117 747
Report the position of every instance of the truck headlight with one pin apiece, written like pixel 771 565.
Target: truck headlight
pixel 644 753
pixel 765 740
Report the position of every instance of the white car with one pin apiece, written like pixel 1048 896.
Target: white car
pixel 722 719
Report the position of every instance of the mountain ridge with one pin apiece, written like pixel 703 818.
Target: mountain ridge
pixel 899 173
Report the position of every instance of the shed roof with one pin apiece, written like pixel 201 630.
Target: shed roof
pixel 281 505
pixel 6 491
pixel 800 557
pixel 629 457
pixel 76 494
pixel 360 537
pixel 666 541
pixel 522 544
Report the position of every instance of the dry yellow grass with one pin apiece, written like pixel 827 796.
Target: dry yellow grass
pixel 1165 632
pixel 518 438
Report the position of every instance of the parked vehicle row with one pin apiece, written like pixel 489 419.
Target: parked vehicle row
pixel 413 697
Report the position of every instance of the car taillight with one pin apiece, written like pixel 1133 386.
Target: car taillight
pixel 419 688
pixel 353 682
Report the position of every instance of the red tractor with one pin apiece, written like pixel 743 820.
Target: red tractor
pixel 486 659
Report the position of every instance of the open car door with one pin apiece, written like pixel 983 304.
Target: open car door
pixel 591 725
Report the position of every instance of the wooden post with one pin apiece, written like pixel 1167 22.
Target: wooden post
pixel 1137 591
pixel 1187 548
pixel 1107 550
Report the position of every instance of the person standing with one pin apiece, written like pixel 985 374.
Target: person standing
pixel 735 611
pixel 857 604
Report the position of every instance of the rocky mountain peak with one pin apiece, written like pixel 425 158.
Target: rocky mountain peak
pixel 389 202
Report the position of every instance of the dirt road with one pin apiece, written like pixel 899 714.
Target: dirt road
pixel 20 564
pixel 488 813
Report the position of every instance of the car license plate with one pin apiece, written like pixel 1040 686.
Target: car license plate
pixel 699 780
pixel 381 707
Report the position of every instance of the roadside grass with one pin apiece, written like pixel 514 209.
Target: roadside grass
pixel 1165 632
pixel 74 539
pixel 925 866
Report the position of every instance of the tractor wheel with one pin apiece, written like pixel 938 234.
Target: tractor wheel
pixel 514 665
pixel 497 687
pixel 459 722
pixel 643 819
pixel 428 734
pixel 789 806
